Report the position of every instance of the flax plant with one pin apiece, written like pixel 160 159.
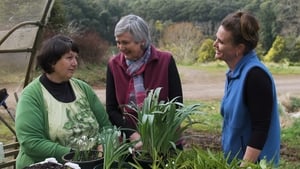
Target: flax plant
pixel 115 147
pixel 160 125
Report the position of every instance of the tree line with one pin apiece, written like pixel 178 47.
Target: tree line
pixel 94 20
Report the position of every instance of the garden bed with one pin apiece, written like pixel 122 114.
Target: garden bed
pixel 213 142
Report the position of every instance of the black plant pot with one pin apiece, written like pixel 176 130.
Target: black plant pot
pixel 83 164
pixel 114 166
pixel 144 163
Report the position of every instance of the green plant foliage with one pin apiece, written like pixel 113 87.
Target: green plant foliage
pixel 160 124
pixel 93 74
pixel 197 158
pixel 6 136
pixel 83 148
pixel 260 51
pixel 115 146
pixel 277 51
pixel 208 119
pixel 295 104
pixel 206 51
pixel 268 25
pixel 57 20
pixel 293 49
pixel 291 135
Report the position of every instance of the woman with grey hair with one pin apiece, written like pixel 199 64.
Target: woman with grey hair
pixel 136 69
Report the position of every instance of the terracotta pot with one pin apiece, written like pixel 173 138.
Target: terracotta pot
pixel 83 164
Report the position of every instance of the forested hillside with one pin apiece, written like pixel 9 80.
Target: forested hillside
pixel 94 21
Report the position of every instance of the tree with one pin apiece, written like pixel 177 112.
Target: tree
pixel 287 15
pixel 293 48
pixel 294 57
pixel 269 27
pixel 182 39
pixel 95 15
pixel 92 47
pixel 206 51
pixel 277 51
pixel 57 21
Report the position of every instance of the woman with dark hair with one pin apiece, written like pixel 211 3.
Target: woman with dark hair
pixel 54 109
pixel 251 128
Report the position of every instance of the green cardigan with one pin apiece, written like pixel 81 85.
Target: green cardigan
pixel 32 124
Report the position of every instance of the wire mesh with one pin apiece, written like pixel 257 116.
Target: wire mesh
pixel 17 40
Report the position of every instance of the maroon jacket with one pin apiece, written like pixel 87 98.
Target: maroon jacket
pixel 160 71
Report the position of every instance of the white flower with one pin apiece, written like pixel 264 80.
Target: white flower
pixel 130 149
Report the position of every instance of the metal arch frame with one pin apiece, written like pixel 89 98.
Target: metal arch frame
pixel 33 49
pixel 12 154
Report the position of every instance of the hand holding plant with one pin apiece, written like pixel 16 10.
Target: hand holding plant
pixel 136 137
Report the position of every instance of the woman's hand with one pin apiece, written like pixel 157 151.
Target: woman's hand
pixel 136 137
pixel 100 150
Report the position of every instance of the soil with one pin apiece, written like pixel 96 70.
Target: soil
pixel 212 142
pixel 200 85
pixel 48 165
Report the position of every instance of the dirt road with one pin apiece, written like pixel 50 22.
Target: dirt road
pixel 200 85
pixel 196 84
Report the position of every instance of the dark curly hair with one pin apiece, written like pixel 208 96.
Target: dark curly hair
pixel 53 49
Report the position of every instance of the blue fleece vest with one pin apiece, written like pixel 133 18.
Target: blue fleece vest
pixel 236 130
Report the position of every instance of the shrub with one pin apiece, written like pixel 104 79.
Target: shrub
pixel 91 46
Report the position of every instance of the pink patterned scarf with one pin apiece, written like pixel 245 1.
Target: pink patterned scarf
pixel 136 89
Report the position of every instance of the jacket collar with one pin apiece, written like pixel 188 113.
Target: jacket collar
pixel 239 67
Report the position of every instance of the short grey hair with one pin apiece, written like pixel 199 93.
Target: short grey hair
pixel 136 26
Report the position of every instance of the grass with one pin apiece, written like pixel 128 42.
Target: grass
pixel 291 135
pixel 284 68
pixel 6 136
pixel 93 74
pixel 209 119
pixel 211 122
pixel 275 68
pixel 212 67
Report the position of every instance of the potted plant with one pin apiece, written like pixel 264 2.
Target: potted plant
pixel 115 149
pixel 84 153
pixel 160 124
